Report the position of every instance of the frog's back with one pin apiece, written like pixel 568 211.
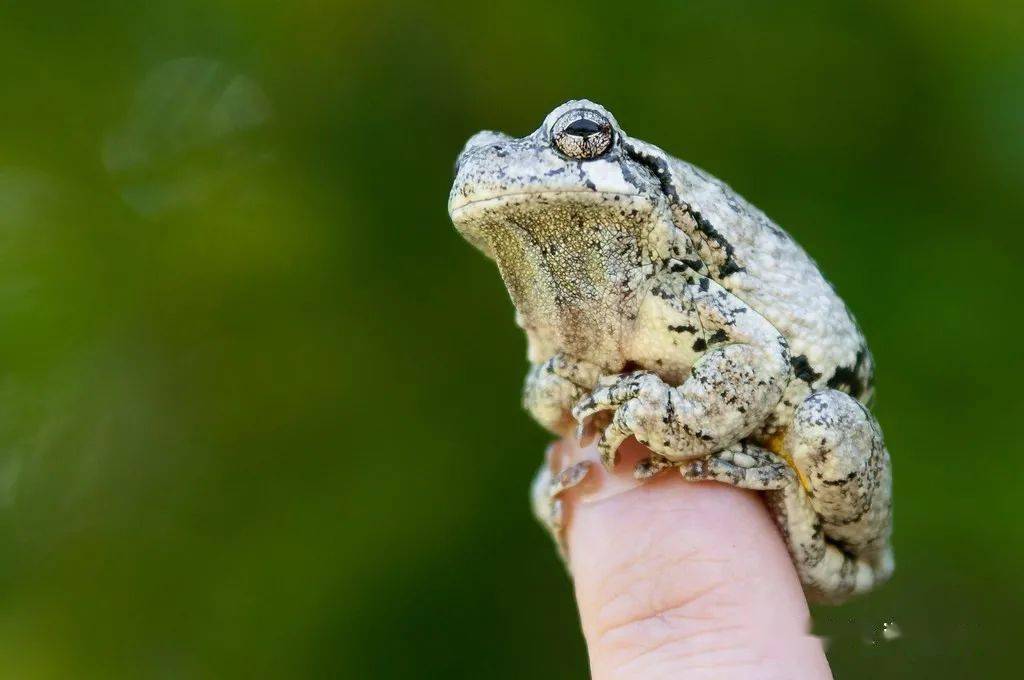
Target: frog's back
pixel 761 264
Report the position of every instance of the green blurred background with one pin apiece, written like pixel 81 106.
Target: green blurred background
pixel 259 403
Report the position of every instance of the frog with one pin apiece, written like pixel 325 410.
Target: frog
pixel 660 305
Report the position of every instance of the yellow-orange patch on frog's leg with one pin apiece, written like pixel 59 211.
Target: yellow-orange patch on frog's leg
pixel 775 445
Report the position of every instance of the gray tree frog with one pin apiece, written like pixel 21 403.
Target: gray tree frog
pixel 659 304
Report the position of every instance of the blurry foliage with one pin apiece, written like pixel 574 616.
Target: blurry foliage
pixel 259 403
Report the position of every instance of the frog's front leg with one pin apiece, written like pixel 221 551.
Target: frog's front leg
pixel 553 386
pixel 739 371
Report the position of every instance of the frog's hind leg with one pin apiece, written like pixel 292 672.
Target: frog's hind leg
pixel 827 483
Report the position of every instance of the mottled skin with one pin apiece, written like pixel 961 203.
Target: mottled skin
pixel 659 304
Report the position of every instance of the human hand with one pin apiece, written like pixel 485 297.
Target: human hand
pixel 676 579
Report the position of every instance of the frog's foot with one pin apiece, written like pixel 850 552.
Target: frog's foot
pixel 827 484
pixel 743 465
pixel 553 386
pixel 639 399
pixel 829 571
pixel 545 496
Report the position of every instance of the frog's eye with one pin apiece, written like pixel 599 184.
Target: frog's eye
pixel 582 134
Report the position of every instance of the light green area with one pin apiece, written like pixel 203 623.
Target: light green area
pixel 259 403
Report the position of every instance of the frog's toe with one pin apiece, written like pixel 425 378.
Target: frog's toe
pixel 622 427
pixel 546 496
pixel 651 467
pixel 615 390
pixel 569 477
pixel 588 406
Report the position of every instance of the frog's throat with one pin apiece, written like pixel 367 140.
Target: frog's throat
pixel 775 445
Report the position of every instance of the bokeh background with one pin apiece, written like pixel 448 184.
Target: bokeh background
pixel 259 404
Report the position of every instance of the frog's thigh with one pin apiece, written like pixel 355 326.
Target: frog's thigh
pixel 837 447
pixel 837 521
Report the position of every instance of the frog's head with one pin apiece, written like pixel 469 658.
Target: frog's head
pixel 578 160
pixel 570 213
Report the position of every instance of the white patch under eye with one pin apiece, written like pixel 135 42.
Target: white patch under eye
pixel 607 176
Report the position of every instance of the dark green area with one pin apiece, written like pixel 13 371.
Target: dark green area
pixel 259 403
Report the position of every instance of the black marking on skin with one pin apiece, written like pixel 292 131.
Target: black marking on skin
pixel 661 170
pixel 670 411
pixel 849 376
pixel 627 172
pixel 730 266
pixel 699 345
pixel 838 482
pixel 856 517
pixel 683 329
pixel 718 336
pixel 802 369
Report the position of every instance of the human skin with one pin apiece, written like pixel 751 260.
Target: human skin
pixel 676 579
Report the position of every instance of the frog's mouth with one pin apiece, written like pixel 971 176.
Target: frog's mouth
pixel 462 207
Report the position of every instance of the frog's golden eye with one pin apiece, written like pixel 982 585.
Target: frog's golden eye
pixel 582 134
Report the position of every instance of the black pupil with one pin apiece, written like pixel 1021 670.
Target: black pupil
pixel 583 127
